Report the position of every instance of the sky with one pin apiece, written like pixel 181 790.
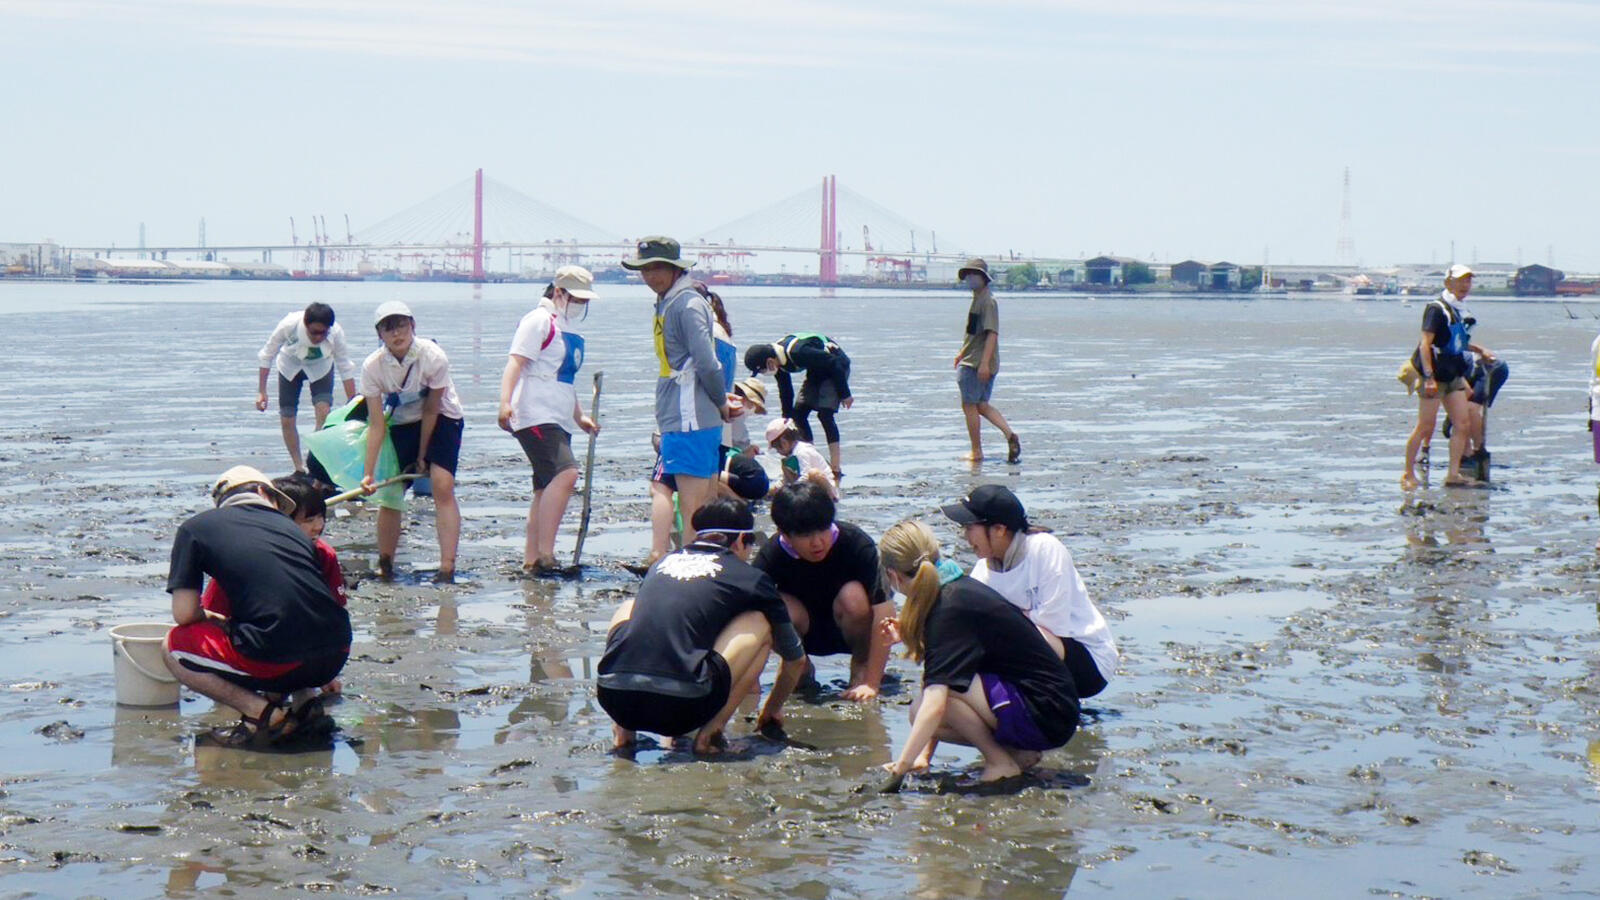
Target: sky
pixel 1156 129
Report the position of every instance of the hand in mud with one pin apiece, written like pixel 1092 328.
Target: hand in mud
pixel 892 782
pixel 770 726
pixel 861 693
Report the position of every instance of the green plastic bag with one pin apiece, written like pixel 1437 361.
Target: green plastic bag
pixel 341 447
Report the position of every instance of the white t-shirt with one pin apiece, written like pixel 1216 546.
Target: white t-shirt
pixel 400 382
pixel 1047 586
pixel 289 348
pixel 813 461
pixel 1594 381
pixel 546 393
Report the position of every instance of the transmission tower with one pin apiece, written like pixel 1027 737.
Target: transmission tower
pixel 1346 249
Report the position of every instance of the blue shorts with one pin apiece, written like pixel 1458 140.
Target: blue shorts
pixel 696 454
pixel 972 389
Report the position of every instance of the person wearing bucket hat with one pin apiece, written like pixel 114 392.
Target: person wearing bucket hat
pixel 285 633
pixel 411 400
pixel 826 387
pixel 539 405
pixel 691 395
pixel 978 363
pixel 304 349
pixel 1033 570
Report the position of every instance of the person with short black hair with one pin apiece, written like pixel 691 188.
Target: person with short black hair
pixel 691 645
pixel 829 577
pixel 825 390
pixel 285 633
pixel 305 347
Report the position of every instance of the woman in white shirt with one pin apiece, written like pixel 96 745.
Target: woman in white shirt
pixel 539 405
pixel 1033 570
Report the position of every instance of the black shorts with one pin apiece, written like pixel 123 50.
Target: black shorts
pixel 824 638
pixel 549 451
pixel 746 477
pixel 444 445
pixel 670 716
pixel 289 392
pixel 1085 674
pixel 819 394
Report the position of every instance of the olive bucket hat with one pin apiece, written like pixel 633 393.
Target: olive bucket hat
pixel 974 264
pixel 657 249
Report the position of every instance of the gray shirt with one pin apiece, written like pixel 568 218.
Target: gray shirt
pixel 689 386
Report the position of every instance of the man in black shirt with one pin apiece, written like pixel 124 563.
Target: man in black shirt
pixel 285 630
pixel 681 655
pixel 829 577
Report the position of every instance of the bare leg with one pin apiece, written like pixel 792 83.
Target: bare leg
pixel 291 440
pixel 552 502
pixel 925 758
pixel 1427 413
pixel 621 738
pixel 968 720
pixel 692 494
pixel 1456 404
pixel 745 643
pixel 530 543
pixel 660 520
pixel 447 518
pixel 992 413
pixel 322 414
pixel 388 539
pixel 215 687
pixel 859 622
pixel 833 457
pixel 974 434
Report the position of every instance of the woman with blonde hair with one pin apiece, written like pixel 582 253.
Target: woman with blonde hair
pixel 989 679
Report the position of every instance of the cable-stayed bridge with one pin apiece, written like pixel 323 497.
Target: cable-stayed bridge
pixel 481 229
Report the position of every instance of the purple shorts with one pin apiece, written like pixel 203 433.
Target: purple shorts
pixel 1014 725
pixel 1597 442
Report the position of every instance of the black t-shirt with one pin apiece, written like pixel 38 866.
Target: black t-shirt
pixel 685 601
pixel 972 629
pixel 853 557
pixel 1446 366
pixel 282 608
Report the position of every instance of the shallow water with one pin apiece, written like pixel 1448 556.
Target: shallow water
pixel 1328 689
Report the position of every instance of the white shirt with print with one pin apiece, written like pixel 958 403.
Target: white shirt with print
pixel 1047 586
pixel 399 382
pixel 546 394
pixel 289 348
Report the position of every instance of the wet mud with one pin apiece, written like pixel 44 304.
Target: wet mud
pixel 1329 688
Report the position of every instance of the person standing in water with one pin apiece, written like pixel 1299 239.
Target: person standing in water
pixel 305 348
pixel 1441 359
pixel 978 362
pixel 539 406
pixel 691 402
pixel 409 378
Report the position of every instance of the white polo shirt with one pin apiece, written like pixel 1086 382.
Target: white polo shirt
pixel 400 382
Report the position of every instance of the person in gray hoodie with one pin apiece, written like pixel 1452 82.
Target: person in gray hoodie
pixel 691 402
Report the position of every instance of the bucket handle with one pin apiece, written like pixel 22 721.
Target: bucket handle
pixel 163 678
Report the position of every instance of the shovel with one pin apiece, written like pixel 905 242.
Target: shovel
pixel 353 493
pixel 588 477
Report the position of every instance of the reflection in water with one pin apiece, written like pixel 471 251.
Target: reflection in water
pixel 146 737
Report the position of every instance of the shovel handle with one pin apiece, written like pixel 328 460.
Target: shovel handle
pixel 357 492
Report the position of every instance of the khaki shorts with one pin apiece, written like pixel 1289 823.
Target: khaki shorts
pixel 1412 379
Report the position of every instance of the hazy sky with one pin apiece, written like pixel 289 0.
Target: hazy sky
pixel 1150 128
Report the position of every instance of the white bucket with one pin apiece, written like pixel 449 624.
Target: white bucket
pixel 142 676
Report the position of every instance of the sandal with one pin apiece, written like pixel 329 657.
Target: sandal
pixel 254 732
pixel 1013 448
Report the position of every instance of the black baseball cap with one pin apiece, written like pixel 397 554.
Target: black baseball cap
pixel 988 504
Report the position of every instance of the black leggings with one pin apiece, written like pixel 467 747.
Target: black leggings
pixel 802 424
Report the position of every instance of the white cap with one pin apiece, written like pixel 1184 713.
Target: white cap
pixel 391 308
pixel 1458 271
pixel 577 281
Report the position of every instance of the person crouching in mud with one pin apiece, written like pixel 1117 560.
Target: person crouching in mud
pixel 691 645
pixel 285 634
pixel 989 679
pixel 830 579
pixel 1032 569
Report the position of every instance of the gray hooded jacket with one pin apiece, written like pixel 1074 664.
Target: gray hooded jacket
pixel 689 392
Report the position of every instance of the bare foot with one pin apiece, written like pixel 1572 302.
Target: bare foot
pixel 622 738
pixel 1025 759
pixel 1461 481
pixel 1408 482
pixel 974 457
pixel 1008 769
